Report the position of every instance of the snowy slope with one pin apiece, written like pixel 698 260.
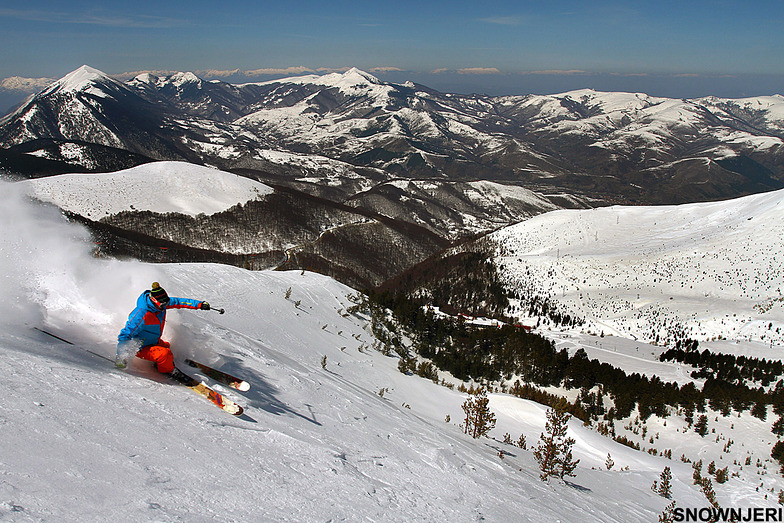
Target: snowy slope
pixel 85 442
pixel 706 271
pixel 158 187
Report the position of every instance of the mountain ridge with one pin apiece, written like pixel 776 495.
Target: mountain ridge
pixel 404 151
pixel 628 146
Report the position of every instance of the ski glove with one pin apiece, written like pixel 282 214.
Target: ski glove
pixel 204 306
pixel 126 349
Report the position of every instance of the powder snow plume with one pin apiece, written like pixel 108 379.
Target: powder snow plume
pixel 51 278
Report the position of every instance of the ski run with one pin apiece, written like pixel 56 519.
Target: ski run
pixel 331 431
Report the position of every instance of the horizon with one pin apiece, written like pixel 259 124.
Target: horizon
pixel 727 49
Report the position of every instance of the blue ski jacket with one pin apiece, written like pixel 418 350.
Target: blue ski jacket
pixel 146 322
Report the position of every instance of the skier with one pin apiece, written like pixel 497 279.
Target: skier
pixel 144 328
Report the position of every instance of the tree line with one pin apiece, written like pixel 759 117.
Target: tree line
pixel 519 362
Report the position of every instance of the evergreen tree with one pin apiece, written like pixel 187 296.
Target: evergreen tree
pixel 760 410
pixel 554 450
pixel 778 426
pixel 479 419
pixel 777 453
pixel 722 475
pixel 697 474
pixel 707 490
pixel 701 427
pixel 668 516
pixel 665 484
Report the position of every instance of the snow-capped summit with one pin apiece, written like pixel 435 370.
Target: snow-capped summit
pixel 89 107
pixel 180 187
pixel 353 82
pixel 81 79
pixel 144 78
pixel 357 75
pixel 179 79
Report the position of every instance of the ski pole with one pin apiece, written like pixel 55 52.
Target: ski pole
pixel 220 311
pixel 74 344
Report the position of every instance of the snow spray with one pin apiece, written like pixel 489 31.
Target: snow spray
pixel 51 278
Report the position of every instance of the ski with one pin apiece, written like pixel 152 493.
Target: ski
pixel 220 376
pixel 195 385
pixel 211 395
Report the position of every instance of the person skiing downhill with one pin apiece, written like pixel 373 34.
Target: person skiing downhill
pixel 144 328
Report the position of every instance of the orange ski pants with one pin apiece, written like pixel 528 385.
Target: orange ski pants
pixel 161 354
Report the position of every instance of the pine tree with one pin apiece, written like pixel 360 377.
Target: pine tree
pixel 701 427
pixel 778 426
pixel 609 463
pixel 668 516
pixel 707 490
pixel 722 475
pixel 665 484
pixel 777 453
pixel 479 419
pixel 554 450
pixel 697 474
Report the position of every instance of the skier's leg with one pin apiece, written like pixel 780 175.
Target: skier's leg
pixel 161 355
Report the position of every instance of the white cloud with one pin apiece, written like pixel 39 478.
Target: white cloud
pixel 24 85
pixel 297 69
pixel 479 70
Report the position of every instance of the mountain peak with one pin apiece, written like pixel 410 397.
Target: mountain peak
pixel 353 81
pixel 358 74
pixel 78 80
pixel 179 79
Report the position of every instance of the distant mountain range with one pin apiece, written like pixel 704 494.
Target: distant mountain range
pixel 448 165
pixel 608 146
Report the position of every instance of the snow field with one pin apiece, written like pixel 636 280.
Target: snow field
pixel 158 187
pixel 706 270
pixel 83 441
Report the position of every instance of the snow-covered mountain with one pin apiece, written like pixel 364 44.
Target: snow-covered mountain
pixel 609 146
pixel 332 429
pixel 181 211
pixel 162 187
pixel 702 271
pixel 211 215
pixel 77 117
pixel 434 167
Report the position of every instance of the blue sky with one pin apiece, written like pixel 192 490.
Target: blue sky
pixel 463 46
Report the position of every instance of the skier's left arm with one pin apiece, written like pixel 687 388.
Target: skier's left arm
pixel 187 303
